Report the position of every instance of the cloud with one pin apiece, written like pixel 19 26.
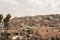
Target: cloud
pixel 34 2
pixel 29 9
pixel 14 8
pixel 12 1
pixel 44 3
pixel 30 6
pixel 39 3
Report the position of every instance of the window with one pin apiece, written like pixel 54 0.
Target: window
pixel 58 30
pixel 51 25
pixel 46 30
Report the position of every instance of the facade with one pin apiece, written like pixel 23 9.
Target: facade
pixel 49 33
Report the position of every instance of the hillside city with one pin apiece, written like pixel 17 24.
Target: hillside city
pixel 39 27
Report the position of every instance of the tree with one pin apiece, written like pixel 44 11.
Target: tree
pixel 6 20
pixel 1 17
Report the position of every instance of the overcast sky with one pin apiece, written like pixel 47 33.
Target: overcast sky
pixel 29 7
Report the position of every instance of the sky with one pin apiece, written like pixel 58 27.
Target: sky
pixel 29 7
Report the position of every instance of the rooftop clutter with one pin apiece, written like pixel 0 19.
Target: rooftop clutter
pixel 30 27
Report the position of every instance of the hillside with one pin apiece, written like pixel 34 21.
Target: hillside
pixel 39 27
pixel 35 21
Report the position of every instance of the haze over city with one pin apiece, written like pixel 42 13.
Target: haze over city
pixel 29 7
